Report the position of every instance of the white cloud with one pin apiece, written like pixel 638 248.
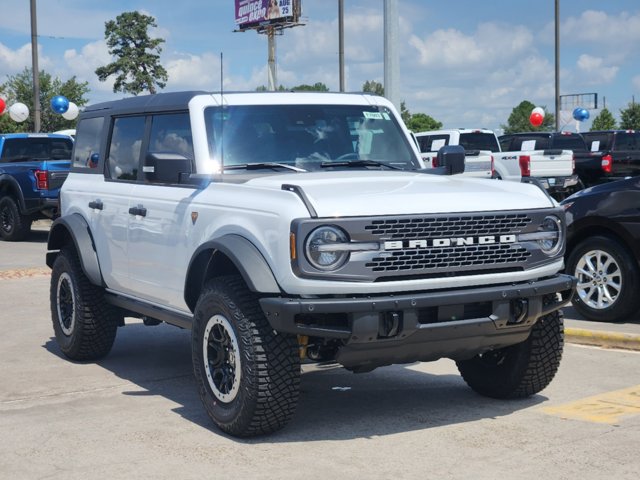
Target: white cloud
pixel 12 61
pixel 83 64
pixel 622 29
pixel 595 70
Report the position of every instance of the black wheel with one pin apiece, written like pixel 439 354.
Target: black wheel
pixel 84 323
pixel 520 370
pixel 248 376
pixel 608 279
pixel 13 225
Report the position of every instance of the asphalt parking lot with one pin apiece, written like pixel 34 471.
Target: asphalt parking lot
pixel 137 414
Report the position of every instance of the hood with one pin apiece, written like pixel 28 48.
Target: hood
pixel 362 193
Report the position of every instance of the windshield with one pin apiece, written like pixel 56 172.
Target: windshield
pixel 479 141
pixel 308 136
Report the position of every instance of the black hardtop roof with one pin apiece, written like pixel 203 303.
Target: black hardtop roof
pixel 144 103
pixel 172 101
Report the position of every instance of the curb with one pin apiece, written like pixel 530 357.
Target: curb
pixel 627 341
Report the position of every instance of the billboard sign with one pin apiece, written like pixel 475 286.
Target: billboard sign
pixel 252 13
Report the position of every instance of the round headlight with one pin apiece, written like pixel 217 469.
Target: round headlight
pixel 552 241
pixel 324 248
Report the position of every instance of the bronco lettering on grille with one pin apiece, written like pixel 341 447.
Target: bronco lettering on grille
pixel 448 242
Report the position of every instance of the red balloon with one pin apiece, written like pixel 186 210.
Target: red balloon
pixel 2 106
pixel 536 119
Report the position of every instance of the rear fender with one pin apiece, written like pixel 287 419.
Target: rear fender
pixel 74 229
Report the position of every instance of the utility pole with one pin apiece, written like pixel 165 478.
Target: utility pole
pixel 557 16
pixel 271 36
pixel 34 67
pixel 391 61
pixel 341 42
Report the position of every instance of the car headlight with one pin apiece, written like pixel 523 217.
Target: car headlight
pixel 324 248
pixel 552 240
pixel 550 236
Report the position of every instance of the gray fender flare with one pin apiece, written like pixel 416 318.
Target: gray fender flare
pixel 244 255
pixel 74 227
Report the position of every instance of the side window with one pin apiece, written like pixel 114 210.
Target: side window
pixel 626 141
pixel 87 145
pixel 171 133
pixel 505 144
pixel 170 150
pixel 433 143
pixel 123 157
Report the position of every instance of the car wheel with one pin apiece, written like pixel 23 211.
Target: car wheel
pixel 520 370
pixel 247 374
pixel 608 279
pixel 13 225
pixel 84 323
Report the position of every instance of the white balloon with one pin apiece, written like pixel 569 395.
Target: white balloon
pixel 539 110
pixel 19 112
pixel 72 112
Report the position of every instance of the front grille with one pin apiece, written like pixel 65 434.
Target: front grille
pixel 448 226
pixel 451 257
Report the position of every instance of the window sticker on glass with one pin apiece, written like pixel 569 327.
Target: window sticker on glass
pixel 437 144
pixel 595 145
pixel 372 115
pixel 386 116
pixel 528 145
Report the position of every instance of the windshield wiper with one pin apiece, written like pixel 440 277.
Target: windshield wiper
pixel 358 163
pixel 262 165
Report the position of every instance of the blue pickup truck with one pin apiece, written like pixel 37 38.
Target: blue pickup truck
pixel 33 167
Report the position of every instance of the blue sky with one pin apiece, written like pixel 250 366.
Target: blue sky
pixel 464 62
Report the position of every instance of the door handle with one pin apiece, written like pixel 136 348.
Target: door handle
pixel 138 211
pixel 96 205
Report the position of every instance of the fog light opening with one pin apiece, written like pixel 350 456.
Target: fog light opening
pixel 519 310
pixel 390 324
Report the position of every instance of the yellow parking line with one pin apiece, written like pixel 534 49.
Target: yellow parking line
pixel 608 407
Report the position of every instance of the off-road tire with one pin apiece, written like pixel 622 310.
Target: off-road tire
pixel 520 370
pixel 84 323
pixel 261 395
pixel 622 271
pixel 14 226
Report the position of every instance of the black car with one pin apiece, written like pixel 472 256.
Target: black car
pixel 603 249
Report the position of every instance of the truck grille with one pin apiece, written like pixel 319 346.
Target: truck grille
pixel 454 258
pixel 451 226
pixel 451 257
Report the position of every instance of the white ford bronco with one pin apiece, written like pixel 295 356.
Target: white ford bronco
pixel 291 227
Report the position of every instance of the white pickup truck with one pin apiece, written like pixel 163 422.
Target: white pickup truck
pixel 512 159
pixel 530 154
pixel 478 159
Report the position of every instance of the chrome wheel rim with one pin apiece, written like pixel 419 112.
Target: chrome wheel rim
pixel 599 279
pixel 221 357
pixel 65 303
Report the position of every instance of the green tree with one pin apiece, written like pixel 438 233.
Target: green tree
pixel 604 121
pixel 421 122
pixel 316 87
pixel 137 66
pixel 630 117
pixel 371 86
pixel 519 120
pixel 19 88
pixel 405 113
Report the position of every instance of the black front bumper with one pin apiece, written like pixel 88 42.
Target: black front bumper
pixel 422 326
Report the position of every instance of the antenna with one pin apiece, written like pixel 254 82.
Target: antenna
pixel 221 114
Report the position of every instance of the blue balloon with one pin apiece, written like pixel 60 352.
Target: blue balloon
pixel 580 114
pixel 59 104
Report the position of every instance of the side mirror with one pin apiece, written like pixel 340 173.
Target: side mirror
pixel 166 167
pixel 451 157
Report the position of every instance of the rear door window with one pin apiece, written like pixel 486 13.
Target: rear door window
pixel 479 141
pixel 432 143
pixel 123 156
pixel 627 141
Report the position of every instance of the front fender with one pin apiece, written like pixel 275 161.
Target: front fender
pixel 242 254
pixel 74 228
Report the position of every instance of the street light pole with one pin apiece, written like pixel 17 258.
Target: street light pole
pixel 341 42
pixel 34 67
pixel 391 61
pixel 557 16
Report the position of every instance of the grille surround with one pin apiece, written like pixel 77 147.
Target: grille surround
pixel 466 254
